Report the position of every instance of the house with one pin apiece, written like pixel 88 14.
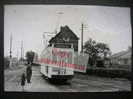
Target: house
pixel 65 38
pixel 122 58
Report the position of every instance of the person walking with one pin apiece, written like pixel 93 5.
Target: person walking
pixel 23 81
pixel 29 73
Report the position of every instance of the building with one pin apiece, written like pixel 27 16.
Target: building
pixel 65 38
pixel 122 58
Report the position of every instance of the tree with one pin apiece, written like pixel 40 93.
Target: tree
pixel 96 51
pixel 30 57
pixel 102 49
pixel 90 48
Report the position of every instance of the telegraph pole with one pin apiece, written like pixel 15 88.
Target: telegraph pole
pixel 11 46
pixel 17 54
pixel 82 34
pixel 21 50
pixel 10 51
pixel 82 27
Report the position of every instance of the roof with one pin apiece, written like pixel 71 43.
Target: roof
pixel 64 32
pixel 122 54
pixel 118 54
pixel 126 55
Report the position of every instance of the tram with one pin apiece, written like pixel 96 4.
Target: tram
pixel 55 61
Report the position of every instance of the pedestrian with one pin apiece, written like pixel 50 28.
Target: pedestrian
pixel 28 73
pixel 23 81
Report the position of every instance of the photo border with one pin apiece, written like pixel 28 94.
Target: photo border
pixel 67 95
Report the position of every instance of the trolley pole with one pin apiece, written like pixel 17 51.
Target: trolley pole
pixel 58 21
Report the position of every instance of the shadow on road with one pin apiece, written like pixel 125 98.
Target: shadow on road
pixel 57 82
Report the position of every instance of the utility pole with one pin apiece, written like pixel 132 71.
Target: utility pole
pixel 82 27
pixel 10 51
pixel 11 46
pixel 17 54
pixel 82 34
pixel 21 50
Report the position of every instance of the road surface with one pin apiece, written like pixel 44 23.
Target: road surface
pixel 80 83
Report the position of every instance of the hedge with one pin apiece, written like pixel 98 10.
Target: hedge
pixel 105 72
pixel 113 73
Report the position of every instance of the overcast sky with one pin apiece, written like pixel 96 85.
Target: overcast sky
pixel 110 25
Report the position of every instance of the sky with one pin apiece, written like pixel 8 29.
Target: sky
pixel 28 23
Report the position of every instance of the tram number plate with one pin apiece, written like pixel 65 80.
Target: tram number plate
pixel 62 72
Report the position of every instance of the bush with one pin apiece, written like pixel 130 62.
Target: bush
pixel 100 63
